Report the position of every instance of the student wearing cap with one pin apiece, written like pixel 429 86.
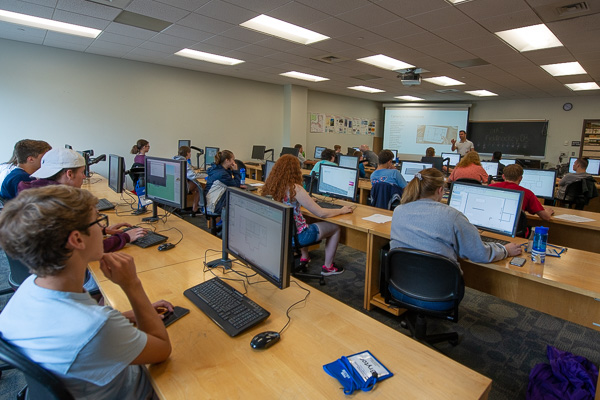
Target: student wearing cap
pixel 29 155
pixel 67 167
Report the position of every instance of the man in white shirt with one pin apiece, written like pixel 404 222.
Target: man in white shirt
pixel 464 146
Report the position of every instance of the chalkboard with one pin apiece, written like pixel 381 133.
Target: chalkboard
pixel 519 138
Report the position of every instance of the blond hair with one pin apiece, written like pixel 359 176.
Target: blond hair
pixel 471 157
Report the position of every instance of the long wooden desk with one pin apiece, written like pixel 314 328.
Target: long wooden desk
pixel 207 363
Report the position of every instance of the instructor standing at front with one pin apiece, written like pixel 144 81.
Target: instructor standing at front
pixel 464 146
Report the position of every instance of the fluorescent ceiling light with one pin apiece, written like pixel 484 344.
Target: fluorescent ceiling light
pixel 456 1
pixel 213 58
pixel 529 38
pixel 583 86
pixel 306 77
pixel 480 93
pixel 409 98
pixel 284 30
pixel 562 69
pixel 51 25
pixel 366 89
pixel 385 62
pixel 443 81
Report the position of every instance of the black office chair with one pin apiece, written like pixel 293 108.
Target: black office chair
pixel 468 180
pixel 423 276
pixel 579 193
pixel 300 270
pixel 436 162
pixel 41 384
pixel 240 164
pixel 310 182
pixel 211 218
pixel 385 195
pixel 136 172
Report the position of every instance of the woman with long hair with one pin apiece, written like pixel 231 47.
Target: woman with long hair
pixel 140 148
pixel 469 167
pixel 284 184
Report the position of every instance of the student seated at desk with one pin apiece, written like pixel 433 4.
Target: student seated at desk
pixel 29 157
pixel 184 154
pixel 513 175
pixel 386 172
pixel 140 149
pixel 284 184
pixel 422 222
pixel 361 165
pixel 94 350
pixel 327 158
pixel 7 167
pixel 222 173
pixel 301 155
pixel 469 167
pixel 580 166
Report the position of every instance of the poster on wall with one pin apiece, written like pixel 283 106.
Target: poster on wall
pixel 356 126
pixel 371 130
pixel 341 125
pixel 364 127
pixel 317 123
pixel 330 124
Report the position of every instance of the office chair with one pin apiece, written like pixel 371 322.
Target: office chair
pixel 211 218
pixel 579 193
pixel 301 270
pixel 436 162
pixel 468 180
pixel 385 195
pixel 417 280
pixel 135 173
pixel 41 384
pixel 240 164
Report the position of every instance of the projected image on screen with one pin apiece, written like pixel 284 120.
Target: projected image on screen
pixel 434 134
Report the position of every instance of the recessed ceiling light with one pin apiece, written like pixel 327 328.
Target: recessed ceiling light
pixel 366 89
pixel 529 38
pixel 582 86
pixel 456 1
pixel 303 76
pixel 443 81
pixel 49 24
pixel 284 30
pixel 480 93
pixel 213 58
pixel 562 69
pixel 385 62
pixel 409 98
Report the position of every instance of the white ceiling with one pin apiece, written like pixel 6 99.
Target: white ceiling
pixel 430 34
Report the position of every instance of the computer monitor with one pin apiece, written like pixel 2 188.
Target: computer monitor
pixel 540 181
pixel 348 161
pixel 68 146
pixel 258 152
pixel 338 182
pixel 489 208
pixel 183 142
pixel 290 150
pixel 436 162
pixel 166 181
pixel 259 232
pixel 116 172
pixel 593 167
pixel 395 152
pixel 528 163
pixel 507 161
pixel 454 158
pixel 268 167
pixel 209 155
pixel 491 167
pixel 410 168
pixel 318 151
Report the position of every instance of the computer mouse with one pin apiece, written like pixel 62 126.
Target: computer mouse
pixel 264 340
pixel 166 246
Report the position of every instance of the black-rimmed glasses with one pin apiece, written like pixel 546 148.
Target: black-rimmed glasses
pixel 102 221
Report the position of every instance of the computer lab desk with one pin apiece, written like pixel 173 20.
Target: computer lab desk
pixel 207 363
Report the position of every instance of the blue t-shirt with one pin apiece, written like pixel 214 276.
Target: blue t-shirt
pixel 392 176
pixel 316 169
pixel 12 180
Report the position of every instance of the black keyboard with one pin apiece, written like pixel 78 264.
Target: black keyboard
pixel 328 204
pixel 104 204
pixel 493 240
pixel 229 309
pixel 252 163
pixel 149 239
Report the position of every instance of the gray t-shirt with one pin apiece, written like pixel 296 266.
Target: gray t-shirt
pixel 464 148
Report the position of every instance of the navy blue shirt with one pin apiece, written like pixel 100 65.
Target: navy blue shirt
pixel 12 180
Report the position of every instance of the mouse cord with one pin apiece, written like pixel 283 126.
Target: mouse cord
pixel 287 313
pixel 181 233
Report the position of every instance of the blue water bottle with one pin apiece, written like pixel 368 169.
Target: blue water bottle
pixel 538 248
pixel 243 174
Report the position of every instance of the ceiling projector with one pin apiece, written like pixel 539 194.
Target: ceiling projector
pixel 410 76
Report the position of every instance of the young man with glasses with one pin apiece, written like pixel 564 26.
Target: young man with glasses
pixel 94 350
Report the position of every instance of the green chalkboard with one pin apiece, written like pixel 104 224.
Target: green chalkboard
pixel 519 138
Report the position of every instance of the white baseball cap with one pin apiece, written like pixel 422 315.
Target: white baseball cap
pixel 57 159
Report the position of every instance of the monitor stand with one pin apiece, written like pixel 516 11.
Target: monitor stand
pixel 224 261
pixel 154 216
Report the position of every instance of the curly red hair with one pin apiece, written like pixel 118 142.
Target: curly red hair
pixel 283 177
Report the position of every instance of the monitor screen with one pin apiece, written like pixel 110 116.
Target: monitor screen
pixel 268 167
pixel 209 155
pixel 488 208
pixel 540 181
pixel 318 151
pixel 258 232
pixel 593 167
pixel 258 152
pixel 116 172
pixel 348 161
pixel 395 152
pixel 454 158
pixel 491 167
pixel 410 168
pixel 166 181
pixel 338 182
pixel 507 161
pixel 290 150
pixel 182 142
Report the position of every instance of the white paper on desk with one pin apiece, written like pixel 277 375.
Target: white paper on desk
pixel 573 218
pixel 257 184
pixel 378 218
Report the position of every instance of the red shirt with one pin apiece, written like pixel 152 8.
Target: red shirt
pixel 530 203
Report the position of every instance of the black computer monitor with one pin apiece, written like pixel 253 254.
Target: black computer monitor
pixel 489 208
pixel 165 181
pixel 318 151
pixel 436 162
pixel 395 152
pixel 540 181
pixel 528 163
pixel 258 232
pixel 116 172
pixel 348 161
pixel 290 150
pixel 338 182
pixel 268 167
pixel 454 158
pixel 258 152
pixel 593 167
pixel 491 167
pixel 183 142
pixel 410 168
pixel 209 155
